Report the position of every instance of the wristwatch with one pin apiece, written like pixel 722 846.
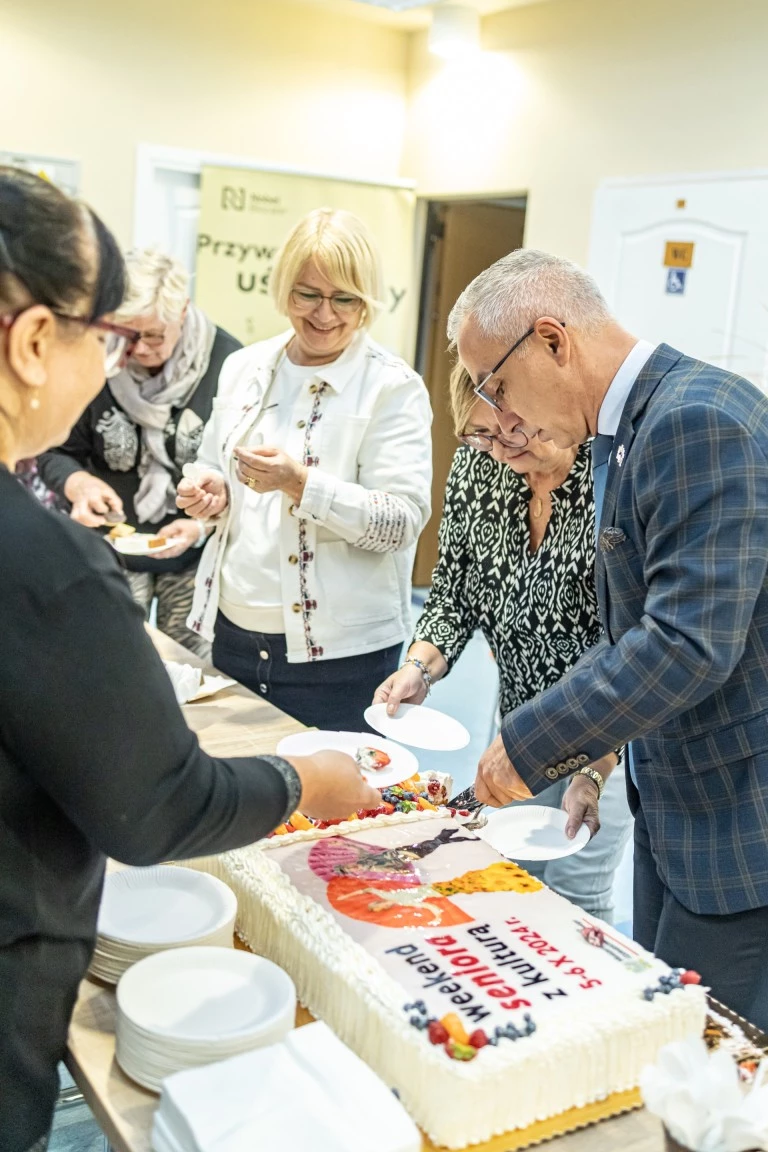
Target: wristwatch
pixel 594 775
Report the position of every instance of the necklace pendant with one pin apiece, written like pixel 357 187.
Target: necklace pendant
pixel 538 508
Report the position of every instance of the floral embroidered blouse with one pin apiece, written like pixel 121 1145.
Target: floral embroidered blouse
pixel 538 611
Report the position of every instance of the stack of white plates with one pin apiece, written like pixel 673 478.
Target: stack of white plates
pixel 146 910
pixel 194 1006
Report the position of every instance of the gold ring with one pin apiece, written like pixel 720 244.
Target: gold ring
pixel 251 483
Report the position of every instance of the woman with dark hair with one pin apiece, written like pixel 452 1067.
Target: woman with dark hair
pixel 95 756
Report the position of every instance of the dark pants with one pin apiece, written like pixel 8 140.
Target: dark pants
pixel 326 694
pixel 39 979
pixel 730 952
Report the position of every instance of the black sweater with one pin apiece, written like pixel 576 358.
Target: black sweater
pixel 95 759
pixel 106 442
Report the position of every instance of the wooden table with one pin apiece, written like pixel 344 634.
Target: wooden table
pixel 238 722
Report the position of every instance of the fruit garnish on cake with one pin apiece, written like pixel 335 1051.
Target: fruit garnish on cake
pixel 372 759
pixel 157 542
pixel 417 794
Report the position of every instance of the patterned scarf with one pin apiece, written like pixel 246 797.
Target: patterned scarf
pixel 148 400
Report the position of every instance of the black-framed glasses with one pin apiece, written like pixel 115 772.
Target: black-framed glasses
pixel 118 348
pixel 483 441
pixel 479 388
pixel 343 303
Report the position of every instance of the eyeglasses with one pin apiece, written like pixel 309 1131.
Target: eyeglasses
pixel 479 388
pixel 121 343
pixel 342 303
pixel 152 339
pixel 483 441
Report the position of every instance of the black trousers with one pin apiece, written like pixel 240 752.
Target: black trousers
pixel 39 979
pixel 730 952
pixel 326 694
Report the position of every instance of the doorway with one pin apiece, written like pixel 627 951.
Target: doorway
pixel 463 237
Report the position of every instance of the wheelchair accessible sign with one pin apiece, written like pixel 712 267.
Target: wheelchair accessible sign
pixel 678 258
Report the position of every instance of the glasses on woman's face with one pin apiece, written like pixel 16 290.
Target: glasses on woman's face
pixel 484 441
pixel 152 339
pixel 342 303
pixel 118 347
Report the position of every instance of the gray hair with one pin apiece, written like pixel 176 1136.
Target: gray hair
pixel 510 296
pixel 158 285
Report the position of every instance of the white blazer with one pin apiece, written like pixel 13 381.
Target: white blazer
pixel 362 426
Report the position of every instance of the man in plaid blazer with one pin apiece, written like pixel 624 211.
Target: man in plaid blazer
pixel 681 577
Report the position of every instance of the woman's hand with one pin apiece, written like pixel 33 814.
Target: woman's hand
pixel 405 686
pixel 332 786
pixel 271 470
pixel 184 533
pixel 203 498
pixel 91 499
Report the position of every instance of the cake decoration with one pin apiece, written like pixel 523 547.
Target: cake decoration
pixel 502 982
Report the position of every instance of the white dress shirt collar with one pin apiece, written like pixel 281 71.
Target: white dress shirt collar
pixel 616 397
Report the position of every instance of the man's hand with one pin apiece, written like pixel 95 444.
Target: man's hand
pixel 271 470
pixel 203 498
pixel 405 686
pixel 332 785
pixel 497 782
pixel 91 499
pixel 580 803
pixel 184 533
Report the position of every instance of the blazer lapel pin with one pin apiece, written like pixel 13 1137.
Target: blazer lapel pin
pixel 620 453
pixel 610 538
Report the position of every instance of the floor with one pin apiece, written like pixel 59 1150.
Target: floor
pixel 469 694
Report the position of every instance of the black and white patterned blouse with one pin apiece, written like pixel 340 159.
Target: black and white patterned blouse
pixel 538 611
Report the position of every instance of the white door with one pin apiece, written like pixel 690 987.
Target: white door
pixel 168 219
pixel 684 260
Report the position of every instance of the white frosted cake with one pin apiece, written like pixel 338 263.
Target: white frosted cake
pixel 484 999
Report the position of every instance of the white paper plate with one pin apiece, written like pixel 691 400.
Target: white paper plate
pixel 138 544
pixel 163 905
pixel 404 763
pixel 419 726
pixel 201 996
pixel 531 832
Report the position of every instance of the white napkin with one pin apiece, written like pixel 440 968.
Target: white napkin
pixel 701 1100
pixel 307 1092
pixel 190 684
pixel 186 680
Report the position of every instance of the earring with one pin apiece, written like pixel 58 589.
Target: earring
pixel 34 403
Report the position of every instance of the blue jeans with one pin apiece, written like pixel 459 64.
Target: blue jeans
pixel 586 878
pixel 326 694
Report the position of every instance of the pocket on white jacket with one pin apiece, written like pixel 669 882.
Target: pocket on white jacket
pixel 357 587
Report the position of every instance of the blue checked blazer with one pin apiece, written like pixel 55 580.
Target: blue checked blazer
pixel 683 670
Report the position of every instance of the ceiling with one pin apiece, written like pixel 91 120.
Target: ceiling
pixel 419 14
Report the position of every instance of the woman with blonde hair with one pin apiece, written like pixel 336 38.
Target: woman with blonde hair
pixel 516 560
pixel 315 472
pixel 124 456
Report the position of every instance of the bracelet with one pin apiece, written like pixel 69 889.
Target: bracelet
pixel 422 667
pixel 594 776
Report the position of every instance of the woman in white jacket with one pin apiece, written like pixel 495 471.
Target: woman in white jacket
pixel 315 469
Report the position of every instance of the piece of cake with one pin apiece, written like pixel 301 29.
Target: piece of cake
pixel 121 530
pixel 372 759
pixel 487 1001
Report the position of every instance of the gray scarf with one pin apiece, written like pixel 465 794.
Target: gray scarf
pixel 148 400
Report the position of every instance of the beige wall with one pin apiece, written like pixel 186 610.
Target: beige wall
pixel 576 91
pixel 280 82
